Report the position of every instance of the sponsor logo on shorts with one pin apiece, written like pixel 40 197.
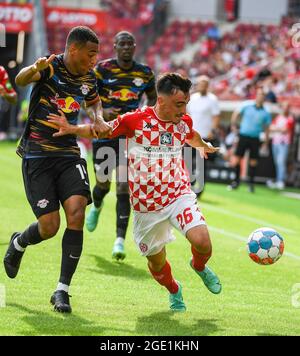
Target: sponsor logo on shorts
pixel 143 247
pixel 42 203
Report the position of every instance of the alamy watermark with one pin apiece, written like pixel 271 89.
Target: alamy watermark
pixel 159 164
pixel 2 35
pixel 2 296
pixel 296 295
pixel 294 32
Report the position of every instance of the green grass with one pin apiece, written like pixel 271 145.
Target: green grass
pixel 112 298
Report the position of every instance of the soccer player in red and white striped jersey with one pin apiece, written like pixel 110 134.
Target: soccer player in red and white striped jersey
pixel 160 191
pixel 6 90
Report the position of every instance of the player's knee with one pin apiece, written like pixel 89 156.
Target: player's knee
pixel 156 266
pixel 49 229
pixel 75 217
pixel 203 243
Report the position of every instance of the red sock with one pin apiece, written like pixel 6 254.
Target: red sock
pixel 199 260
pixel 165 278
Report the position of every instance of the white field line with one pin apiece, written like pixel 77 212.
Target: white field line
pixel 243 239
pixel 246 218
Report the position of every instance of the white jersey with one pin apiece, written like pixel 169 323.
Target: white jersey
pixel 202 109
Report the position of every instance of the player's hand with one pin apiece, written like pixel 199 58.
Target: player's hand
pixel 264 150
pixel 111 113
pixel 208 148
pixel 61 123
pixel 211 136
pixel 43 63
pixel 102 128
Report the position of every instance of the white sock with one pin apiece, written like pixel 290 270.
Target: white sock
pixel 62 286
pixel 119 241
pixel 18 247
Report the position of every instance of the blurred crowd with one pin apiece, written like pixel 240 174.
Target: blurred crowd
pixel 238 61
pixel 131 8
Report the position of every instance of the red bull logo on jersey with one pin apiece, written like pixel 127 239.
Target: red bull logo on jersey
pixel 123 95
pixel 67 105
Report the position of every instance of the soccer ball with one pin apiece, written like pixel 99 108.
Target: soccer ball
pixel 265 246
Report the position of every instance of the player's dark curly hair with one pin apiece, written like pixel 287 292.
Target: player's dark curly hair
pixel 123 33
pixel 169 83
pixel 81 35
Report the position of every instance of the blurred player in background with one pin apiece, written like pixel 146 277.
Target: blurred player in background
pixel 7 92
pixel 53 171
pixel 159 185
pixel 205 112
pixel 7 96
pixel 121 85
pixel 255 119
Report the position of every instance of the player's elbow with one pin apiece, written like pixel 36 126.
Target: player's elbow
pixel 19 82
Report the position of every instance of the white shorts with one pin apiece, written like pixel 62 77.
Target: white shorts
pixel 153 230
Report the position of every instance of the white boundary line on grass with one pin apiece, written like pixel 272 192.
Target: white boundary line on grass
pixel 247 218
pixel 243 239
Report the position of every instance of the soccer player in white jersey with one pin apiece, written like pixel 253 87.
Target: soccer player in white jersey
pixel 205 112
pixel 160 191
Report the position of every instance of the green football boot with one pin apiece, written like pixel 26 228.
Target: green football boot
pixel 176 300
pixel 209 278
pixel 92 218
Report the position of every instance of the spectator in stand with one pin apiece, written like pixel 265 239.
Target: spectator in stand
pixel 246 55
pixel 281 131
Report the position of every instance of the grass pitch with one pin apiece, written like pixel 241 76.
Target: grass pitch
pixel 111 298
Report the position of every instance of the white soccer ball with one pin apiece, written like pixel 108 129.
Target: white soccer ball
pixel 265 246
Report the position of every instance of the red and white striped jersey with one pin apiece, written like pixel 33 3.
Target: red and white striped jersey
pixel 156 173
pixel 4 81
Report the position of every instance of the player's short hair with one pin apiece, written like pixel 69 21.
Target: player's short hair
pixel 81 35
pixel 123 33
pixel 169 83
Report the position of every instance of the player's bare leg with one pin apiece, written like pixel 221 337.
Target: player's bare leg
pixel 236 164
pixel 201 248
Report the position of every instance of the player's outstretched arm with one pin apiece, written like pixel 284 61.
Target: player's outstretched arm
pixel 31 73
pixel 203 147
pixel 10 97
pixel 87 130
